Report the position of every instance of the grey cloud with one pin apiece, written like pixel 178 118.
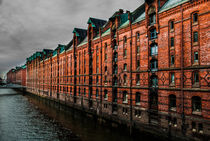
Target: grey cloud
pixel 27 26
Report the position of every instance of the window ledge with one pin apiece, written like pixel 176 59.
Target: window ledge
pixel 173 109
pixel 172 48
pixel 195 23
pixel 138 103
pixel 196 113
pixel 195 63
pixel 125 102
pixel 195 43
pixel 172 84
pixel 172 30
pixel 196 85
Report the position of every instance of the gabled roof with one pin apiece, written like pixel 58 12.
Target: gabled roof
pixel 171 3
pixel 96 23
pixel 80 32
pixel 138 14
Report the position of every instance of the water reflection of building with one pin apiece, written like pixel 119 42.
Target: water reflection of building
pixel 147 67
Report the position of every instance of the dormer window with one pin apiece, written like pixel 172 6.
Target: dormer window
pixel 152 15
pixel 195 17
pixel 171 25
pixel 152 19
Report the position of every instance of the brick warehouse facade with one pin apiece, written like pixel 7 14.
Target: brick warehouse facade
pixel 17 76
pixel 147 68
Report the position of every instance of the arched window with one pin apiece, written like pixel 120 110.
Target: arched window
pixel 105 94
pixel 154 65
pixel 125 67
pixel 154 49
pixel 115 44
pixel 125 97
pixel 196 104
pixel 172 102
pixel 137 98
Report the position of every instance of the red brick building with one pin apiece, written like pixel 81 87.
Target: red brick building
pixel 146 68
pixel 17 76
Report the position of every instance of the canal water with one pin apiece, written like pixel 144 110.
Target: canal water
pixel 29 118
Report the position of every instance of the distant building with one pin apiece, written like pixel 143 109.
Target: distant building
pixel 17 76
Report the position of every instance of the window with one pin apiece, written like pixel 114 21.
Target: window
pixel 84 79
pixel 200 128
pixel 105 94
pixel 154 81
pixel 172 79
pixel 125 53
pixel 105 45
pixel 152 19
pixel 115 81
pixel 125 97
pixel 195 17
pixel 196 104
pixel 125 79
pixel 138 49
pixel 137 36
pixel 97 59
pixel 79 92
pixel 125 67
pixel 84 91
pixel 154 65
pixel 171 25
pixel 195 57
pixel 96 93
pixel 195 36
pixel 138 64
pixel 137 79
pixel 137 98
pixel 154 49
pixel 125 40
pixel 172 41
pixel 172 102
pixel 105 57
pixel 196 77
pixel 105 79
pixel 193 126
pixel 115 57
pixel 97 69
pixel 97 80
pixel 153 33
pixel 105 68
pixel 115 69
pixel 172 60
pixel 96 48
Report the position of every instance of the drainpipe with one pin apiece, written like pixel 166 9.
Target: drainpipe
pixel 182 73
pixel 131 96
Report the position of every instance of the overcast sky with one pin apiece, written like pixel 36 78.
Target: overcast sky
pixel 27 26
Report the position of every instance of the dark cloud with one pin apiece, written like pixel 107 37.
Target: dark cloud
pixel 27 26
